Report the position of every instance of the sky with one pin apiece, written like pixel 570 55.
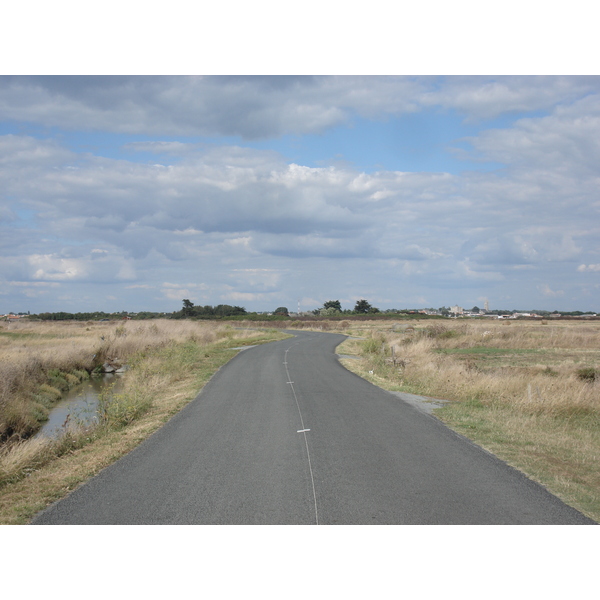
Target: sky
pixel 135 192
pixel 265 180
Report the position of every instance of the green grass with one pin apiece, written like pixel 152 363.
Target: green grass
pixel 24 335
pixel 561 454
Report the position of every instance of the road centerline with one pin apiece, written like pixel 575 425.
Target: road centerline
pixel 303 431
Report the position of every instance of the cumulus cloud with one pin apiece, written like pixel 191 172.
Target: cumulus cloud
pixel 51 267
pixel 265 107
pixel 547 291
pixel 565 142
pixel 483 97
pixel 232 223
pixel 252 202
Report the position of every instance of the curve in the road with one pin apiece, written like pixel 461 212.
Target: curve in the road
pixel 284 434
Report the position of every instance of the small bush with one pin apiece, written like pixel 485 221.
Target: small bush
pixel 374 344
pixel 81 375
pixel 439 332
pixel 39 411
pixel 589 374
pixel 72 380
pixel 58 379
pixel 50 391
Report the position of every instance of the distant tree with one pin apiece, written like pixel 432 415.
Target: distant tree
pixel 333 304
pixel 188 308
pixel 282 310
pixel 225 310
pixel 475 309
pixel 363 307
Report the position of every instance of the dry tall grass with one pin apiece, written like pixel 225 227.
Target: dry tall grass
pixel 39 360
pixel 535 366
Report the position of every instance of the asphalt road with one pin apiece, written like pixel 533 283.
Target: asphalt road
pixel 283 434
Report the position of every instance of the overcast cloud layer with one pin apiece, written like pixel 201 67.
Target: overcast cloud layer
pixel 132 193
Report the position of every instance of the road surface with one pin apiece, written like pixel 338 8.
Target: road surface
pixel 284 434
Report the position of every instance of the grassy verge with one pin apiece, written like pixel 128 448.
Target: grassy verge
pixel 162 379
pixel 527 392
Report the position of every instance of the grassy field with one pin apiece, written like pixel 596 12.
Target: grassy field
pixel 528 391
pixel 169 362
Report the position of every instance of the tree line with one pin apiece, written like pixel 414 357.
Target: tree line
pixel 208 312
pixel 330 308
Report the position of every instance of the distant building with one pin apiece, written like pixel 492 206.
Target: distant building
pixel 11 317
pixel 457 310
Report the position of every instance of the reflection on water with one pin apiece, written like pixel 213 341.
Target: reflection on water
pixel 79 405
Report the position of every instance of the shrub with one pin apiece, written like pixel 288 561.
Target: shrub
pixel 439 332
pixel 374 344
pixel 50 391
pixel 117 410
pixel 81 375
pixel 589 374
pixel 72 380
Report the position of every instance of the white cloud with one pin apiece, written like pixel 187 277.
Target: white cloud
pixel 485 97
pixel 27 153
pixel 263 107
pixel 547 291
pixel 566 141
pixel 251 222
pixel 246 297
pixel 161 147
pixel 54 268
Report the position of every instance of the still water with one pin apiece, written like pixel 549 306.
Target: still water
pixel 80 405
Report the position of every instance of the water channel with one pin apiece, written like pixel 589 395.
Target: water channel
pixel 79 406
